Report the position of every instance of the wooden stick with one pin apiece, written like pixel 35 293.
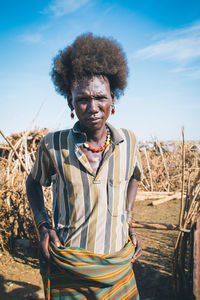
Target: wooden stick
pixel 196 280
pixel 21 162
pixel 193 205
pixel 144 186
pixel 159 226
pixel 157 202
pixel 178 266
pixel 2 147
pixel 187 220
pixel 148 166
pixel 187 198
pixel 165 166
pixel 153 195
pixel 183 179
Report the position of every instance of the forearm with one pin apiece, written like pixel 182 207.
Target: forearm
pixel 131 194
pixel 36 200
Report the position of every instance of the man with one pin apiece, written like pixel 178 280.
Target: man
pixel 94 169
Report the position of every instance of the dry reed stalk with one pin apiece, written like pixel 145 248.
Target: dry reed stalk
pixel 149 169
pixel 147 183
pixel 3 147
pixel 183 179
pixel 193 207
pixel 165 166
pixel 8 171
pixel 190 213
pixel 187 198
pixel 24 143
pixel 24 167
pixel 3 159
pixel 143 185
pixel 196 274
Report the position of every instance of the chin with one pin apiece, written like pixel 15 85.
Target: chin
pixel 95 125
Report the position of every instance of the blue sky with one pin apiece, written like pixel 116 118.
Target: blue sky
pixel 160 38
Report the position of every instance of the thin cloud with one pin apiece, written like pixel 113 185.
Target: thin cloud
pixel 179 46
pixel 191 72
pixel 34 38
pixel 62 7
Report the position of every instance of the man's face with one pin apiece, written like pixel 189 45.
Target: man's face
pixel 92 100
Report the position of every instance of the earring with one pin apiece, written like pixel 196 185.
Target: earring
pixel 72 115
pixel 113 110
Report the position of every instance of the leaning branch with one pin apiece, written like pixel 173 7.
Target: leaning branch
pixel 159 226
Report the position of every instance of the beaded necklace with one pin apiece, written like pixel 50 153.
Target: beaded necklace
pixel 107 143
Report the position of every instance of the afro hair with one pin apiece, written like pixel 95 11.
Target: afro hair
pixel 90 56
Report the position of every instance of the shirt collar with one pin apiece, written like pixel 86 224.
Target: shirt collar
pixel 80 137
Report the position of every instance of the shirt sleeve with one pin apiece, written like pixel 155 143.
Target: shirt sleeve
pixel 138 171
pixel 43 168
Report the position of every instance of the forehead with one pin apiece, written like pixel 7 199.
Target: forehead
pixel 94 84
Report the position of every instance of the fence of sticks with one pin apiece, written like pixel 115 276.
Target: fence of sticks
pixel 168 175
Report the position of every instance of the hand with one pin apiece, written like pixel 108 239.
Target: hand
pixel 47 235
pixel 136 240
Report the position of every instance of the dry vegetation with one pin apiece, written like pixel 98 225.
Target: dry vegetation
pixel 163 170
pixel 164 173
pixel 15 215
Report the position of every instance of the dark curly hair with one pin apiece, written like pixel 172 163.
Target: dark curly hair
pixel 88 56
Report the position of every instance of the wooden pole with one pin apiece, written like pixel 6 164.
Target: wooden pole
pixel 157 202
pixel 183 180
pixel 141 196
pixel 196 279
pixel 159 226
pixel 165 166
pixel 149 169
pixel 154 194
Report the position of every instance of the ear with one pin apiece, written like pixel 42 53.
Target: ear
pixel 69 100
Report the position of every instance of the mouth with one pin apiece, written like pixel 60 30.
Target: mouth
pixel 93 119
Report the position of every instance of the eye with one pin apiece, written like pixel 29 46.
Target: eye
pixel 101 98
pixel 82 99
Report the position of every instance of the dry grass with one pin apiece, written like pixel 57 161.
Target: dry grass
pixel 163 170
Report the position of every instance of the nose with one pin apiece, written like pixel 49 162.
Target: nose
pixel 93 106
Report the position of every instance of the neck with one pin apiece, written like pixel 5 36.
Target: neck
pixel 95 135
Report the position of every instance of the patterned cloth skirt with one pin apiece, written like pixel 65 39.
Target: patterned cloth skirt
pixel 75 273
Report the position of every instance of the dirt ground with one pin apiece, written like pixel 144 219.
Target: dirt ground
pixel 19 271
pixel 154 269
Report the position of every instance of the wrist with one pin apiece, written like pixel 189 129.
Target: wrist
pixel 133 235
pixel 130 216
pixel 43 226
pixel 131 230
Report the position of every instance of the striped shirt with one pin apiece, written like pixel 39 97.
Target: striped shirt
pixel 89 209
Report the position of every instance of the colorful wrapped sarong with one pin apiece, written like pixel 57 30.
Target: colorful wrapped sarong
pixel 75 273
